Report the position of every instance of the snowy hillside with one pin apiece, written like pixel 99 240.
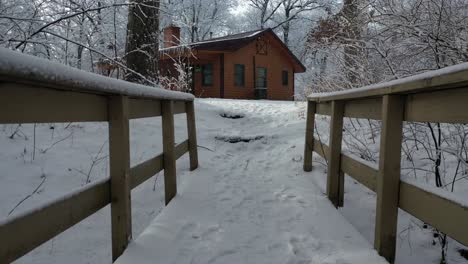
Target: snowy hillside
pixel 257 204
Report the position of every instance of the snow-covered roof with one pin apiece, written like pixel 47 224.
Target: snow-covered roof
pixel 450 77
pixel 21 68
pixel 239 36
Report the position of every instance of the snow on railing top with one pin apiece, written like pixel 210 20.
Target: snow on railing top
pixel 20 68
pixel 450 77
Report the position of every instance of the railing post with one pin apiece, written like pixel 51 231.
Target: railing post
pixel 170 180
pixel 309 136
pixel 335 179
pixel 192 134
pixel 119 159
pixel 388 180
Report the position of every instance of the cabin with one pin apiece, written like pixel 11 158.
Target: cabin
pixel 248 65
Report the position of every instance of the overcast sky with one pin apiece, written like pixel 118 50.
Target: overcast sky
pixel 240 8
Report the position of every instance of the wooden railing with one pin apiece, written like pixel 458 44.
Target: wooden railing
pixel 439 96
pixel 33 90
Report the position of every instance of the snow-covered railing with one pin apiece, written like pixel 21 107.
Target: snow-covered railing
pixel 437 96
pixel 34 90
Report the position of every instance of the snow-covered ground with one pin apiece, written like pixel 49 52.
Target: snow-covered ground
pixel 249 202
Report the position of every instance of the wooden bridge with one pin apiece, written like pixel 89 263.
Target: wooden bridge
pixel 33 91
pixel 438 96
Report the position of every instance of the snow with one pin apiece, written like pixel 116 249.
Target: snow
pixel 427 76
pixel 248 202
pixel 416 242
pixel 255 215
pixel 225 38
pixel 30 69
pixel 414 237
pixel 254 34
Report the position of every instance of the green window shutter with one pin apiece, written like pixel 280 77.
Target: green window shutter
pixel 207 75
pixel 285 77
pixel 239 74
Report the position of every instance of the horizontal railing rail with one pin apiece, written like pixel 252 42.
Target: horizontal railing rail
pixel 437 96
pixel 34 90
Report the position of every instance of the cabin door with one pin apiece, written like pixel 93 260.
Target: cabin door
pixel 261 83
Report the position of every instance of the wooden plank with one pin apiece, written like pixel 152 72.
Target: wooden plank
pixel 23 233
pixel 192 135
pixel 359 171
pixel 119 156
pixel 323 108
pixel 309 136
pixel 170 180
pixel 141 108
pixel 334 177
pixel 365 108
pixel 441 106
pixel 181 149
pixel 447 78
pixel 145 170
pixel 364 174
pixel 322 149
pixel 28 104
pixel 447 216
pixel 389 176
pixel 179 107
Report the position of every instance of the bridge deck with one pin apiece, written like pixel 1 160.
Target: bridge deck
pixel 250 202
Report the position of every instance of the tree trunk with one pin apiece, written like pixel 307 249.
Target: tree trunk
pixel 142 51
pixel 352 48
pixel 79 49
pixel 286 26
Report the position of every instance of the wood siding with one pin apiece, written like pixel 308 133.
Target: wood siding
pixel 215 89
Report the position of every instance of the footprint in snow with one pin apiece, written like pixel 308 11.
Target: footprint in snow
pixel 225 199
pixel 302 248
pixel 221 254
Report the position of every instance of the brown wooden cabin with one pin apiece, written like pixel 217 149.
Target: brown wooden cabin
pixel 249 65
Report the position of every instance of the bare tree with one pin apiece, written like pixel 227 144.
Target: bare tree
pixel 292 10
pixel 198 19
pixel 64 30
pixel 373 41
pixel 266 10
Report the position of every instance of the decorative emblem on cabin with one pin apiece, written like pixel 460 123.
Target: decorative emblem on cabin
pixel 262 46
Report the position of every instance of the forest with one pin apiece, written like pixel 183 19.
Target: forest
pixel 344 44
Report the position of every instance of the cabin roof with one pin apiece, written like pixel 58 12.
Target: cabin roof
pixel 234 42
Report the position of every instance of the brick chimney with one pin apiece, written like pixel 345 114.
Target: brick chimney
pixel 171 36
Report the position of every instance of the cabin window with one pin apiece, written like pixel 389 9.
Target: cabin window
pixel 207 75
pixel 261 77
pixel 239 74
pixel 285 77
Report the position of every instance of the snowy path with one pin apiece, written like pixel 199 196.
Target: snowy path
pixel 250 202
